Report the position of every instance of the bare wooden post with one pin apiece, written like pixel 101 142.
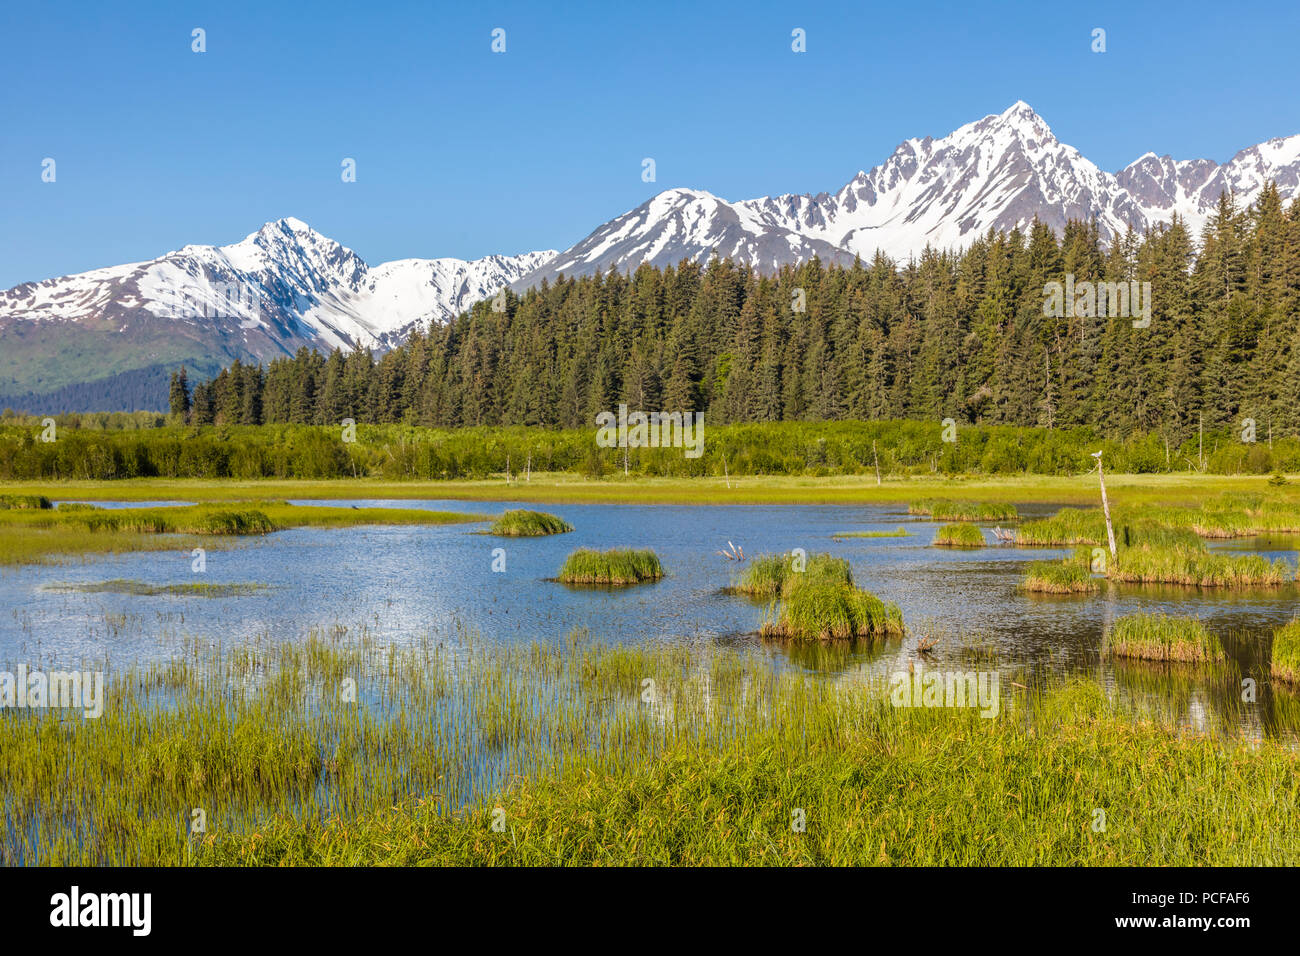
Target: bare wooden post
pixel 1105 507
pixel 877 458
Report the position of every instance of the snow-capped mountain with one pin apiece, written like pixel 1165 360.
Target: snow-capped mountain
pixel 285 283
pixel 287 286
pixel 283 287
pixel 998 172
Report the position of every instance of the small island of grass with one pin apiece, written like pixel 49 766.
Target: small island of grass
pixel 614 568
pixel 1164 637
pixel 522 523
pixel 959 536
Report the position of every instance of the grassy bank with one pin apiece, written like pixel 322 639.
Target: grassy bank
pixel 943 510
pixel 31 536
pixel 559 488
pixel 586 754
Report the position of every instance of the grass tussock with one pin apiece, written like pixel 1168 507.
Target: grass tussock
pixel 819 609
pixel 1059 577
pixel 522 523
pixel 1163 637
pixel 959 536
pixel 941 509
pixel 769 574
pixel 1286 651
pixel 899 532
pixel 614 568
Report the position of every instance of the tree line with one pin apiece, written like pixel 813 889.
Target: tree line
pixel 961 336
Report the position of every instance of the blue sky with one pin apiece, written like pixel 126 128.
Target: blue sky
pixel 463 152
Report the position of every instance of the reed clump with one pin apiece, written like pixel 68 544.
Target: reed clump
pixel 1059 577
pixel 768 574
pixel 899 532
pixel 959 536
pixel 1164 637
pixel 941 509
pixel 522 523
pixel 818 608
pixel 1286 651
pixel 616 567
pixel 1198 567
pixel 1068 527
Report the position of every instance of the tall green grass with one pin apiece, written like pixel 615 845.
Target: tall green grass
pixel 618 566
pixel 1162 637
pixel 899 532
pixel 767 575
pixel 595 755
pixel 1059 577
pixel 1198 567
pixel 527 524
pixel 820 609
pixel 1286 651
pixel 1069 526
pixel 959 536
pixel 941 509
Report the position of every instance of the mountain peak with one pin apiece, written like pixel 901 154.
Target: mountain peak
pixel 288 224
pixel 1021 115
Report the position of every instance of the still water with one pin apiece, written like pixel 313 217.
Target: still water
pixel 405 582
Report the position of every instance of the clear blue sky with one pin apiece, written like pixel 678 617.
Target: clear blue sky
pixel 463 152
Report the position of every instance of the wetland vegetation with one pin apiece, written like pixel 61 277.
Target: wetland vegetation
pixel 616 567
pixel 521 523
pixel 335 750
